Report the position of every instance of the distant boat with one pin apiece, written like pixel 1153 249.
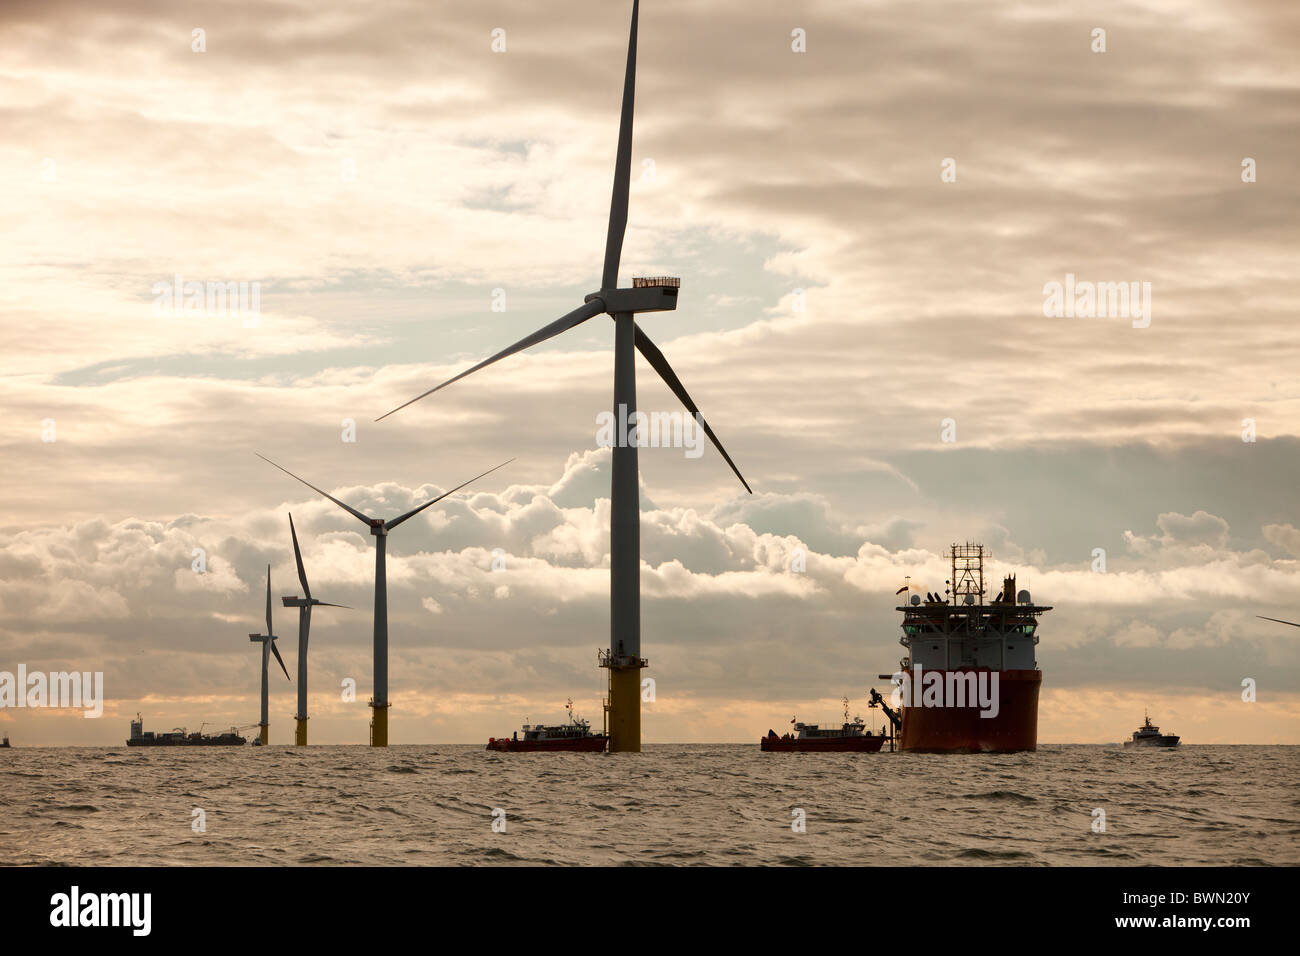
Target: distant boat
pixel 851 737
pixel 179 738
pixel 1149 735
pixel 576 735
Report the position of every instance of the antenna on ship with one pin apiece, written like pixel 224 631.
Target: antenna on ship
pixel 967 573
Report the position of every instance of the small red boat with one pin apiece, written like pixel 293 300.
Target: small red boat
pixel 852 737
pixel 576 735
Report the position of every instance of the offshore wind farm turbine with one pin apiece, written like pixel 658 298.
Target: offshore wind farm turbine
pixel 659 294
pixel 304 605
pixel 379 528
pixel 268 648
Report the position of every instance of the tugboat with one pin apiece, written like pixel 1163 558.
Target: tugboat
pixel 179 738
pixel 852 737
pixel 576 735
pixel 1149 735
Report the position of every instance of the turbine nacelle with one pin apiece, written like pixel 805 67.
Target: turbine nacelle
pixel 642 297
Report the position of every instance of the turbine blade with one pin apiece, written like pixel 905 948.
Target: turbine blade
pixel 622 167
pixel 390 525
pixel 1277 620
pixel 297 556
pixel 276 651
pixel 660 365
pixel 562 324
pixel 268 600
pixel 348 508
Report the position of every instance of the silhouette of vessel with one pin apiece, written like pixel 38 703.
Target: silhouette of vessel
pixel 1149 735
pixel 179 738
pixel 851 737
pixel 576 735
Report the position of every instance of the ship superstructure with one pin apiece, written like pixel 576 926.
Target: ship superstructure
pixel 970 678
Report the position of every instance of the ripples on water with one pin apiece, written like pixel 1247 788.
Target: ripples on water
pixel 674 804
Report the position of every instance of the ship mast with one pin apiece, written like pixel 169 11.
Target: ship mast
pixel 967 582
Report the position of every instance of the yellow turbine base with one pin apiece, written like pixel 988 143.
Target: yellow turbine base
pixel 265 735
pixel 379 725
pixel 300 735
pixel 625 710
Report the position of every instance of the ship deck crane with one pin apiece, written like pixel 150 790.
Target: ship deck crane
pixel 894 719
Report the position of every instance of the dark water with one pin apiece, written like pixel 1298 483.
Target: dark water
pixel 673 804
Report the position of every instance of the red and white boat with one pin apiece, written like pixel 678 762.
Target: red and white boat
pixel 970 679
pixel 851 737
pixel 576 735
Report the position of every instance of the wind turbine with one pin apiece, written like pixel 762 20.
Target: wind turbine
pixel 268 648
pixel 658 294
pixel 380 528
pixel 304 605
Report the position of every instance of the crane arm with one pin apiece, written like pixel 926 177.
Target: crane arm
pixel 878 701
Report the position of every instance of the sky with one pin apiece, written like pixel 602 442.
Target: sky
pixel 867 204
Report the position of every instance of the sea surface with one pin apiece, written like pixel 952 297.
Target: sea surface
pixel 706 804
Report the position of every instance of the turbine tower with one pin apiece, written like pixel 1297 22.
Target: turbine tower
pixel 268 648
pixel 623 657
pixel 304 605
pixel 380 528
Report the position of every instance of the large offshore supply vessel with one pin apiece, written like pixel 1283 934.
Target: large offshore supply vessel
pixel 970 679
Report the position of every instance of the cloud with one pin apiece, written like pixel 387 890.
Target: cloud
pixel 1284 537
pixel 1201 533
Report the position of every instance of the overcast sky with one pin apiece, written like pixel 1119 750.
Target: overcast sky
pixel 387 179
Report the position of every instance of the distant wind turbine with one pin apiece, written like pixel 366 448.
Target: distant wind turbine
pixel 268 648
pixel 659 294
pixel 380 528
pixel 304 605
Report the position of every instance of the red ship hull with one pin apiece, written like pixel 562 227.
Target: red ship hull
pixel 839 745
pixel 963 730
pixel 593 744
